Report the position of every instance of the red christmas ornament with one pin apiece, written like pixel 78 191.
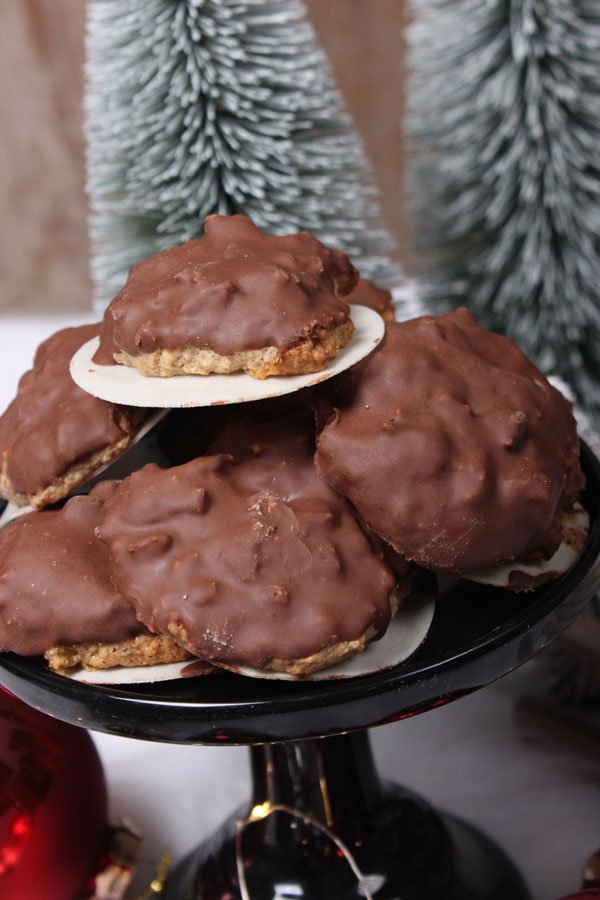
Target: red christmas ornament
pixel 588 894
pixel 53 805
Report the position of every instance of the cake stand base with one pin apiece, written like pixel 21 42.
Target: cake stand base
pixel 322 825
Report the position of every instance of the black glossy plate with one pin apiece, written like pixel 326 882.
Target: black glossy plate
pixel 478 634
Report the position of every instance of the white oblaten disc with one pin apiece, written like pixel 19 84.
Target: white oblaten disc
pixel 11 512
pixel 403 636
pixel 125 385
pixel 575 529
pixel 138 674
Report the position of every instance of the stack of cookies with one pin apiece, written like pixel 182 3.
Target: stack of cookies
pixel 286 533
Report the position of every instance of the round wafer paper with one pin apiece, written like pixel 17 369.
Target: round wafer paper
pixel 576 523
pixel 126 385
pixel 405 633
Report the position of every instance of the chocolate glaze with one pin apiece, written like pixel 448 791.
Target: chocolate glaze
pixel 187 433
pixel 367 294
pixel 524 581
pixel 198 667
pixel 284 446
pixel 287 444
pixel 286 437
pixel 452 445
pixel 52 424
pixel 55 585
pixel 235 288
pixel 251 552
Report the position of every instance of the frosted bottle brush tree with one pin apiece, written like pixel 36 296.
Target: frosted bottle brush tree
pixel 202 106
pixel 505 129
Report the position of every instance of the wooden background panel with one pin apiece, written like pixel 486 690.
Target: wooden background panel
pixel 43 243
pixel 364 41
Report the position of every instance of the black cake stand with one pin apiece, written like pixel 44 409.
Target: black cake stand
pixel 320 823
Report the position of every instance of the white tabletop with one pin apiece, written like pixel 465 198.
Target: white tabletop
pixel 536 794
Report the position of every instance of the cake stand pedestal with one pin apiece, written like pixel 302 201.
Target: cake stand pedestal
pixel 388 842
pixel 320 824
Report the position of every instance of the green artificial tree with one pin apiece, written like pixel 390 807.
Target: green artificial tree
pixel 203 106
pixel 504 126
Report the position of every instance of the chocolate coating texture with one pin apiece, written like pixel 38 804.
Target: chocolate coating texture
pixel 53 424
pixel 452 445
pixel 367 294
pixel 235 288
pixel 248 555
pixel 55 585
pixel 286 446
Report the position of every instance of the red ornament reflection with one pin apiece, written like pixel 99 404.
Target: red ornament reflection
pixel 53 805
pixel 588 894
